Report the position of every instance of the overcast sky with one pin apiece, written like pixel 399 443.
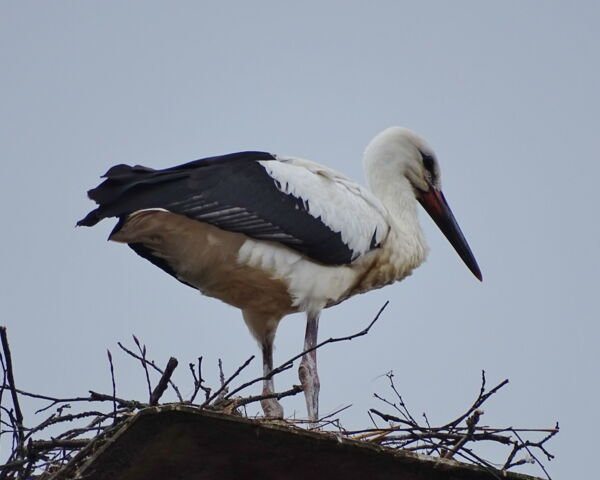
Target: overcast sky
pixel 505 92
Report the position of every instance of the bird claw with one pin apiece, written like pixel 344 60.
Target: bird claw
pixel 271 408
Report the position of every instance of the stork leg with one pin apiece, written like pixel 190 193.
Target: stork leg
pixel 263 327
pixel 309 378
pixel 271 407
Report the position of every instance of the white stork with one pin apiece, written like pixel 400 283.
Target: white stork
pixel 273 235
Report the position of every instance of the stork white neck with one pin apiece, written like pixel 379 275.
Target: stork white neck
pixel 388 161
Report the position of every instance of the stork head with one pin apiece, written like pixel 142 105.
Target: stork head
pixel 400 153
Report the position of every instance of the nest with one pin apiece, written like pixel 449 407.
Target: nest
pixel 84 422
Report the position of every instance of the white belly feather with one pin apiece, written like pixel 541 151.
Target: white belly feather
pixel 312 286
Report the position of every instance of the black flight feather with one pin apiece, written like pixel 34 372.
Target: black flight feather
pixel 233 192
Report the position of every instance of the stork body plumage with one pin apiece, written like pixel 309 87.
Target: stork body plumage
pixel 275 235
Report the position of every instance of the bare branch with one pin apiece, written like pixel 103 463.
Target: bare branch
pixel 198 381
pixel 481 398
pixel 221 391
pixel 256 398
pixel 450 439
pixel 112 378
pixel 471 422
pixel 329 415
pixel 74 444
pixel 11 382
pixel 102 397
pixel 144 362
pixel 153 365
pixel 388 418
pixel 163 383
pixel 290 363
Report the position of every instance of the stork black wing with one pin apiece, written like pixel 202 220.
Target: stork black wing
pixel 233 192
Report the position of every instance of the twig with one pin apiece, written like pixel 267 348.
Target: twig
pixel 71 444
pixel 4 382
pixel 102 397
pixel 412 436
pixel 144 362
pixel 224 382
pixel 17 419
pixel 52 420
pixel 481 398
pixel 450 439
pixel 403 409
pixel 372 419
pixel 255 398
pixel 54 400
pixel 206 390
pixel 471 422
pixel 389 418
pixel 153 365
pixel 221 373
pixel 526 444
pixel 163 383
pixel 11 382
pixel 329 415
pixel 469 455
pixel 112 378
pixel 198 380
pixel 289 363
pixel 434 449
pixel 283 367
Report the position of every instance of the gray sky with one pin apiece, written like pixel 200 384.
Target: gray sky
pixel 505 92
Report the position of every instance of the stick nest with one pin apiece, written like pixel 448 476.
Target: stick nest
pixel 75 425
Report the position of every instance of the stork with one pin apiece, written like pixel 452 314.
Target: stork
pixel 274 235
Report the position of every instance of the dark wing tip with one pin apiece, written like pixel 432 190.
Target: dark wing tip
pixel 90 219
pixel 93 194
pixel 117 170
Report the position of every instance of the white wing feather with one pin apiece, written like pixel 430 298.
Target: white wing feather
pixel 341 204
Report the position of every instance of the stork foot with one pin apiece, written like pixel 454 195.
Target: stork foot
pixel 271 407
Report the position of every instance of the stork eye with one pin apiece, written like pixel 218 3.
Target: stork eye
pixel 428 162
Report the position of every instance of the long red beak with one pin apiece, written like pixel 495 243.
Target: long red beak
pixel 435 203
